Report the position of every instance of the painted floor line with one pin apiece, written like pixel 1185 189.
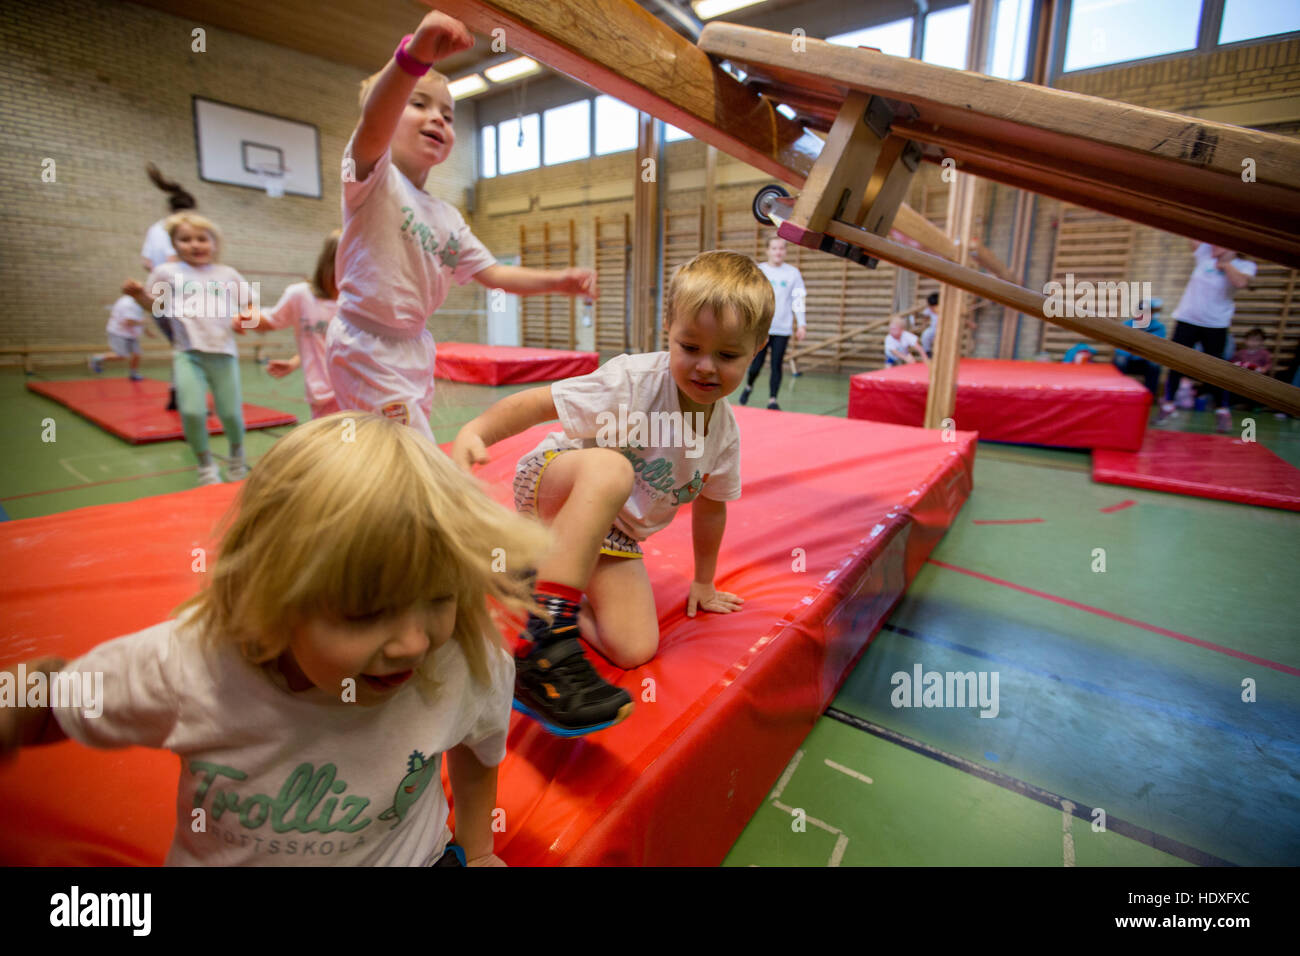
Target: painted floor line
pixel 92 484
pixel 786 775
pixel 852 773
pixel 1102 612
pixel 1114 824
pixel 1067 835
pixel 75 474
pixel 1143 701
pixel 1111 509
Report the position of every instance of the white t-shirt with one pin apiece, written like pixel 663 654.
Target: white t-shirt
pixel 310 318
pixel 202 304
pixel 630 403
pixel 899 348
pixel 122 314
pixel 399 253
pixel 157 246
pixel 291 778
pixel 1207 300
pixel 787 285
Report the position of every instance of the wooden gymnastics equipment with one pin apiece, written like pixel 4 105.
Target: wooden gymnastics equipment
pixel 1227 185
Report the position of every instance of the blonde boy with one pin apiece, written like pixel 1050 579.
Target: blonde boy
pixel 642 436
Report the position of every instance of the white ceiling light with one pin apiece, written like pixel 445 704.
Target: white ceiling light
pixel 707 9
pixel 467 86
pixel 511 69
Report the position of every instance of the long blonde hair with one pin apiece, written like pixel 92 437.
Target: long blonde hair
pixel 353 515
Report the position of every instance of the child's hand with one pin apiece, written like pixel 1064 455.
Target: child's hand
pixel 468 450
pixel 491 859
pixel 15 721
pixel 438 37
pixel 279 368
pixel 707 599
pixel 132 287
pixel 578 282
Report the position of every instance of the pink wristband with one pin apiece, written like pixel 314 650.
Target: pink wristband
pixel 407 62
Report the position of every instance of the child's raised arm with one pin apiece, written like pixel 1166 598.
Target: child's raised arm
pixel 510 416
pixel 522 280
pixel 437 37
pixel 29 726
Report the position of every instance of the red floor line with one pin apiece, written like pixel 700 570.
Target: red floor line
pixel 1011 521
pixel 106 481
pixel 1208 645
pixel 1119 507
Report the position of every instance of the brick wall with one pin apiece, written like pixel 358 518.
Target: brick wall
pixel 102 88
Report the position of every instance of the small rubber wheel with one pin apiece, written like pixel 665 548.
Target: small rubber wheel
pixel 764 202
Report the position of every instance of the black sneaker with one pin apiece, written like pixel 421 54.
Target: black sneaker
pixel 557 687
pixel 771 403
pixel 171 401
pixel 744 396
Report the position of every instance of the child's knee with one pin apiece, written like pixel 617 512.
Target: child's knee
pixel 634 650
pixel 608 468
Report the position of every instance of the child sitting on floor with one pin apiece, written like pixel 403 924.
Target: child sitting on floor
pixel 604 492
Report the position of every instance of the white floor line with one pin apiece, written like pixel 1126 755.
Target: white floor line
pixel 852 773
pixel 1067 837
pixel 787 774
pixel 64 463
pixel 841 844
pixel 819 824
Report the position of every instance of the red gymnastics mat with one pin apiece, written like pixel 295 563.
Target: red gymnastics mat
pixel 1038 403
pixel 1206 466
pixel 509 364
pixel 821 546
pixel 135 411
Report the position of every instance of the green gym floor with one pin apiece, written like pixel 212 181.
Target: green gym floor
pixel 1149 714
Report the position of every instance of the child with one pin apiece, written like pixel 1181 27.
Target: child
pixel 308 307
pixel 1255 357
pixel 204 302
pixel 1148 321
pixel 401 248
pixel 901 346
pixel 125 320
pixel 788 287
pixel 604 493
pixel 340 647
pixel 932 318
pixel 1079 354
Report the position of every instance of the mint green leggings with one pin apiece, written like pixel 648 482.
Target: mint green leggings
pixel 195 373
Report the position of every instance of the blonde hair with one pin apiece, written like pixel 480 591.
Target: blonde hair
pixel 194 221
pixel 368 83
pixel 323 280
pixel 354 515
pixel 724 281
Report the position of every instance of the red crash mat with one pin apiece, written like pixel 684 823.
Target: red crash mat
pixel 836 518
pixel 1207 466
pixel 1039 403
pixel 135 411
pixel 509 364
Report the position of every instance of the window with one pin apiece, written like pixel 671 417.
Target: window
pixel 520 143
pixel 615 126
pixel 1010 39
pixel 1248 19
pixel 567 133
pixel 945 37
pixel 672 134
pixel 488 144
pixel 892 38
pixel 1102 32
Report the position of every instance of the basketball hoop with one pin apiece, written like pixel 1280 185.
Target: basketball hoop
pixel 271 179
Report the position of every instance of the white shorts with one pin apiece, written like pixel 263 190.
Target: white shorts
pixel 123 345
pixel 388 376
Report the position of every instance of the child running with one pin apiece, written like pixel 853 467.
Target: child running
pixel 125 320
pixel 308 307
pixel 603 492
pixel 340 648
pixel 204 302
pixel 401 248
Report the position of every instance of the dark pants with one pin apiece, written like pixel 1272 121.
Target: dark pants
pixel 1212 341
pixel 1136 365
pixel 777 344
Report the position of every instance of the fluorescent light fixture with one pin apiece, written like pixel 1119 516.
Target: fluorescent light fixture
pixel 786 111
pixel 707 9
pixel 511 69
pixel 467 86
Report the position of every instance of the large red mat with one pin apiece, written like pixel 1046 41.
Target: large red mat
pixel 1207 466
pixel 509 364
pixel 821 546
pixel 1039 403
pixel 134 411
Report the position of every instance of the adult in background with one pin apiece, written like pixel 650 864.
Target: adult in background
pixel 1204 314
pixel 788 286
pixel 158 248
